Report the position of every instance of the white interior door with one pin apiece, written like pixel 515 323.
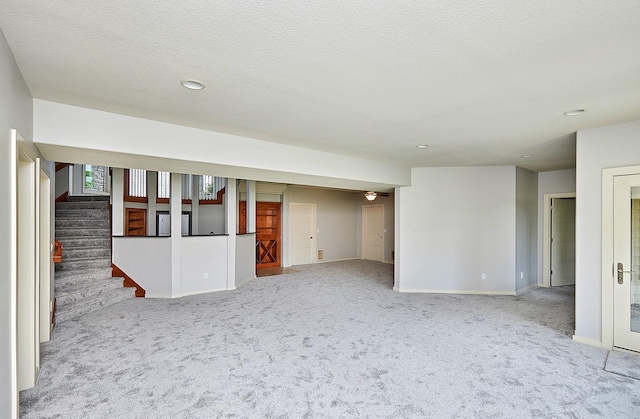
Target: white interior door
pixel 626 253
pixel 373 228
pixel 563 241
pixel 303 233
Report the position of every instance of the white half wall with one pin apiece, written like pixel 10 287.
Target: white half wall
pixel 147 260
pixel 558 181
pixel 452 226
pixel 204 264
pixel 596 149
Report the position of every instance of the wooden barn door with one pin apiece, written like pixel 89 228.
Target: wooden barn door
pixel 268 232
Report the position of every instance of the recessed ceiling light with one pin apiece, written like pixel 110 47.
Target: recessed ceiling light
pixel 422 146
pixel 192 84
pixel 526 156
pixel 574 112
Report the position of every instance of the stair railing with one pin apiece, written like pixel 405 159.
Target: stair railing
pixel 57 251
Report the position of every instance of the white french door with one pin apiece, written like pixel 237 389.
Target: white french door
pixel 626 262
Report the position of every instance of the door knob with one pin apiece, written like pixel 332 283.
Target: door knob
pixel 621 272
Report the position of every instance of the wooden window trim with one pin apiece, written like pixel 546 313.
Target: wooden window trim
pixel 128 198
pixel 216 201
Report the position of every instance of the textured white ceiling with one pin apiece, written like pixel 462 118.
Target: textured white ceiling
pixel 481 82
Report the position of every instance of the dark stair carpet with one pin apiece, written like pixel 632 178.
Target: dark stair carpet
pixel 83 281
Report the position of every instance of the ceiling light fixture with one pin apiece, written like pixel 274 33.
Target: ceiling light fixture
pixel 574 112
pixel 526 156
pixel 192 84
pixel 422 146
pixel 370 195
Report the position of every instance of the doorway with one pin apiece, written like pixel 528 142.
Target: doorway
pixel 621 259
pixel 373 232
pixel 558 250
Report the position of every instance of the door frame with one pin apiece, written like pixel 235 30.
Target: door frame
pixel 546 228
pixel 364 232
pixel 27 290
pixel 608 275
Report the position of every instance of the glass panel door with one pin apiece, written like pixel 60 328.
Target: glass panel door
pixel 626 220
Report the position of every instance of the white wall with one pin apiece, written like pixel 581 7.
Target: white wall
pixel 551 182
pixel 452 225
pixel 245 258
pixel 62 181
pixel 526 228
pixel 211 219
pixel 147 260
pixel 79 135
pixel 337 218
pixel 596 149
pixel 16 111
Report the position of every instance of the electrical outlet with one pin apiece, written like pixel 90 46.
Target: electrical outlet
pixel 206 275
pixel 521 275
pixel 484 276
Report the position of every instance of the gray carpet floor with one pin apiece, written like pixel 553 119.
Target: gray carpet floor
pixel 332 340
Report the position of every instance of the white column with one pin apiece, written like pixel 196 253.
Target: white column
pixel 195 204
pixel 397 230
pixel 251 206
pixel 176 233
pixel 117 202
pixel 152 194
pixel 231 223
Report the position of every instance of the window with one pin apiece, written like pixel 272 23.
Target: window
pixel 164 188
pixel 96 180
pixel 164 185
pixel 135 185
pixel 187 188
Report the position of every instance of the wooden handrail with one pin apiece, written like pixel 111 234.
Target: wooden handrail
pixel 57 251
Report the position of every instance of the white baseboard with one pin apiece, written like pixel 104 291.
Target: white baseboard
pixel 527 289
pixel 241 283
pixel 424 291
pixel 336 260
pixel 186 294
pixel 587 341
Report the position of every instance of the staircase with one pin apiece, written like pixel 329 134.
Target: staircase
pixel 83 281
